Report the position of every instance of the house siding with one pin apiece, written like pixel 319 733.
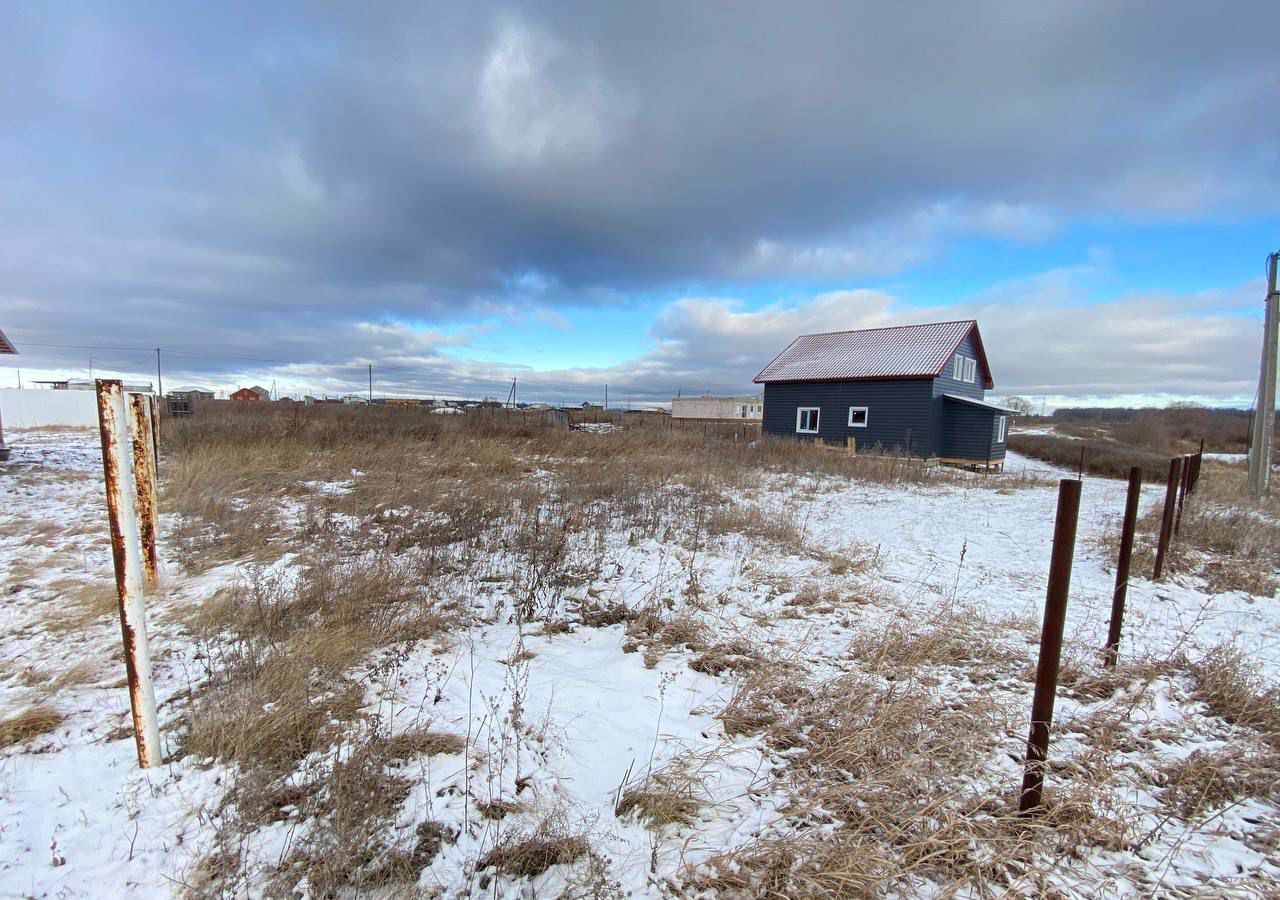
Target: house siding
pixel 969 432
pixel 946 383
pixel 894 408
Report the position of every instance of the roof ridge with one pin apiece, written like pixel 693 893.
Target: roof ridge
pixel 891 327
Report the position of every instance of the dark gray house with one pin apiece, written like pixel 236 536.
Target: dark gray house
pixel 915 389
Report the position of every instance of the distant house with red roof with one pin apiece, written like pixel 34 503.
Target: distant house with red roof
pixel 251 394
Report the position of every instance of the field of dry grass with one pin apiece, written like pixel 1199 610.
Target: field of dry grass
pixel 407 622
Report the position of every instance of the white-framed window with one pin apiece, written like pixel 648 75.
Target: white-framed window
pixel 807 420
pixel 1002 428
pixel 857 417
pixel 966 369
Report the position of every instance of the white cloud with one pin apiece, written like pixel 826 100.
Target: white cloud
pixel 536 103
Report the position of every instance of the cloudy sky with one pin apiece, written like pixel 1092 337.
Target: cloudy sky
pixel 658 196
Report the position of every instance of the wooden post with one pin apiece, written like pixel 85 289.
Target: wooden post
pixel 1080 471
pixel 1166 523
pixel 1055 617
pixel 1112 649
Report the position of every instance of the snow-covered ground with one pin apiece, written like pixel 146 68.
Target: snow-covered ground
pixel 78 819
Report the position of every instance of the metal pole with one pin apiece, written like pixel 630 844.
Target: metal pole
pixel 1183 480
pixel 1080 471
pixel 127 555
pixel 371 384
pixel 1166 524
pixel 144 479
pixel 1112 649
pixel 159 379
pixel 1264 420
pixel 1055 616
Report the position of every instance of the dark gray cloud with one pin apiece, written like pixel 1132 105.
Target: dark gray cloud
pixel 264 178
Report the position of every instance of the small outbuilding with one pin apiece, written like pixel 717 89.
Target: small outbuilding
pixel 913 389
pixel 750 408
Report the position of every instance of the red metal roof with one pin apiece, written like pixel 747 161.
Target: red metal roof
pixel 6 346
pixel 901 351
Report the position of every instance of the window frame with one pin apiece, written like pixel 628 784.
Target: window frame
pixel 966 369
pixel 817 419
pixel 866 417
pixel 1002 429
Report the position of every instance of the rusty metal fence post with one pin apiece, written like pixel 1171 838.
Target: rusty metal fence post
pixel 1184 486
pixel 1055 617
pixel 1112 649
pixel 128 464
pixel 1166 524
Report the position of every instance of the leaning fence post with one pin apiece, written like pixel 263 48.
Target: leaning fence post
pixel 1166 523
pixel 120 469
pixel 1112 649
pixel 1055 616
pixel 1184 481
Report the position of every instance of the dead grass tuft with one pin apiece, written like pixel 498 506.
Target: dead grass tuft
pixel 30 723
pixel 1209 780
pixel 531 856
pixel 670 796
pixel 421 743
pixel 498 809
pixel 1232 687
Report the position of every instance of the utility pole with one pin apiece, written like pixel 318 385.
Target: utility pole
pixel 371 384
pixel 606 398
pixel 1264 419
pixel 159 380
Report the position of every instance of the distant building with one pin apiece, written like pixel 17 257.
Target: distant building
pixel 5 347
pixel 251 394
pixel 191 393
pixel 750 409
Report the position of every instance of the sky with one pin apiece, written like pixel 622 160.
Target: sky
pixel 655 196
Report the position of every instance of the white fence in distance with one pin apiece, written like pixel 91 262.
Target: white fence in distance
pixel 28 408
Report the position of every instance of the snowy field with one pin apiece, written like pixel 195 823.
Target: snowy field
pixel 642 724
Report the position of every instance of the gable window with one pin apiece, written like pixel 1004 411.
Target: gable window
pixel 1002 428
pixel 857 417
pixel 807 420
pixel 966 369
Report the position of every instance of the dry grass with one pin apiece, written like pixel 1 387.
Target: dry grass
pixel 498 809
pixel 80 604
pixel 435 514
pixel 528 857
pixel 279 650
pixel 1224 537
pixel 421 742
pixel 672 795
pixel 1208 780
pixel 1229 683
pixel 951 637
pixel 1105 456
pixel 32 722
pixel 890 785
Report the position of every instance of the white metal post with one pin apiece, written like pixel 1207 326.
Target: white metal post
pixel 119 468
